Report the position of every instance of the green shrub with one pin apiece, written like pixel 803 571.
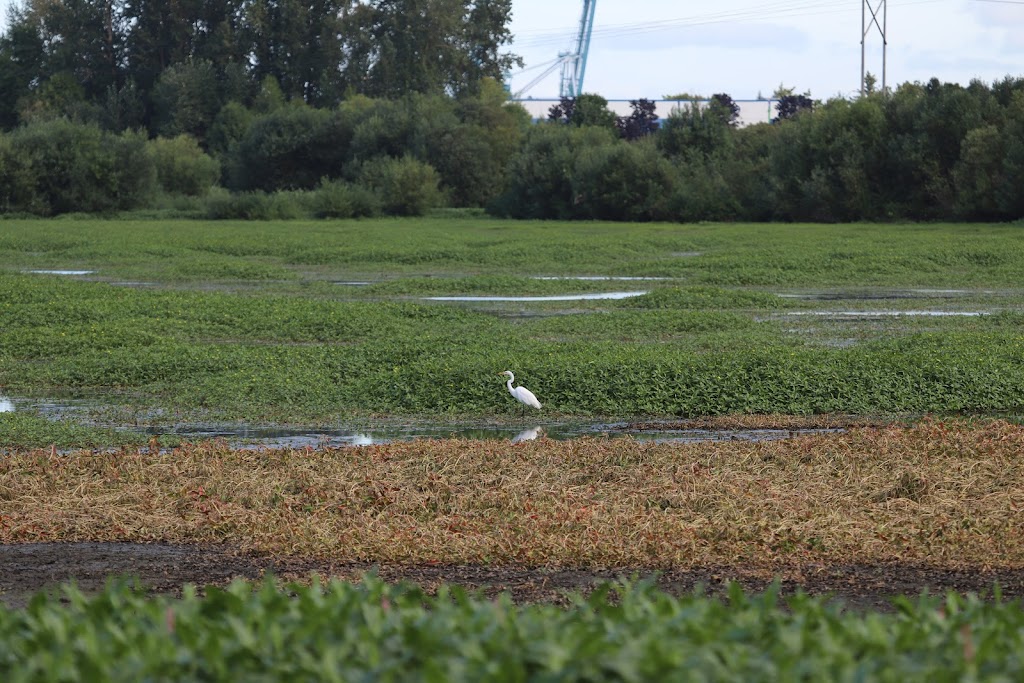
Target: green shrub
pixel 406 187
pixel 622 182
pixel 262 206
pixel 228 128
pixel 539 179
pixel 337 199
pixel 183 168
pixel 291 147
pixel 57 166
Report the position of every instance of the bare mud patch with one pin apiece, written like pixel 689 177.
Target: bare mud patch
pixel 26 569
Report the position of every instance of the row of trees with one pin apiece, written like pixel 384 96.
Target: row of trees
pixel 387 156
pixel 923 152
pixel 169 66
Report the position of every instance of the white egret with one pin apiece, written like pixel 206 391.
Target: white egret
pixel 521 393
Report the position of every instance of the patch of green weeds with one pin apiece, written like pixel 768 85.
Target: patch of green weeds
pixel 26 430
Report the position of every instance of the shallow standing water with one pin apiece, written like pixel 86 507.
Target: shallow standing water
pixel 242 435
pixel 278 437
pixel 556 297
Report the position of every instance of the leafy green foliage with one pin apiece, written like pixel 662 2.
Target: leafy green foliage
pixel 540 177
pixel 623 182
pixel 289 148
pixel 57 167
pixel 185 61
pixel 182 167
pixel 589 109
pixel 406 187
pixel 623 631
pixel 338 199
pixel 27 430
pixel 187 97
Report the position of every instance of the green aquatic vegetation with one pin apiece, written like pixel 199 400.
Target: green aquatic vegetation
pixel 723 255
pixel 303 349
pixel 703 298
pixel 700 328
pixel 27 430
pixel 696 351
pixel 508 285
pixel 623 631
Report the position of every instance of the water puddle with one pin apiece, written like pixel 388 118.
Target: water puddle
pixel 884 294
pixel 275 437
pixel 558 297
pixel 892 314
pixel 61 272
pixel 597 278
pixel 351 284
pixel 248 436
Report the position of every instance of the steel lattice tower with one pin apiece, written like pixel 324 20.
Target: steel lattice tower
pixel 872 9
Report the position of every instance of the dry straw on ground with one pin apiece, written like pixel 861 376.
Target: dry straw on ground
pixel 949 494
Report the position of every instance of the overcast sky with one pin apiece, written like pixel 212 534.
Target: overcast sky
pixel 653 48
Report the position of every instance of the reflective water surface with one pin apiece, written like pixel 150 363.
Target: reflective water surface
pixel 557 297
pixel 276 437
pixel 241 435
pixel 894 314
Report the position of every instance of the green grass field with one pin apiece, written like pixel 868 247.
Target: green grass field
pixel 247 322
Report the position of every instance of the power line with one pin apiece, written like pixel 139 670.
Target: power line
pixel 771 10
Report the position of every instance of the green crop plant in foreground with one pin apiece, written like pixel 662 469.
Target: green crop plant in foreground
pixel 621 632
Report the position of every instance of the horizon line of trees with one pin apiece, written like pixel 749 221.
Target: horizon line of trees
pixel 168 67
pixel 251 108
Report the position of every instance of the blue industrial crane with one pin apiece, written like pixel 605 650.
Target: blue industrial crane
pixel 574 63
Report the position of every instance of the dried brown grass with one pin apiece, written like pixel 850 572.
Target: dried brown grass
pixel 949 494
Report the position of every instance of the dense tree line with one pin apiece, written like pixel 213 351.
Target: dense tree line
pixel 922 152
pixel 273 108
pixel 169 66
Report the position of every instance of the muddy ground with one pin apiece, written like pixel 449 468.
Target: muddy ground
pixel 28 568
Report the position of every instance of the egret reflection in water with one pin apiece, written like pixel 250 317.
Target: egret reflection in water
pixel 528 434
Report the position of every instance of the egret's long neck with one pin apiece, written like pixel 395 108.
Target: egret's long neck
pixel 509 382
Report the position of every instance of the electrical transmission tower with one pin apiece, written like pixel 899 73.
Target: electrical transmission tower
pixel 872 8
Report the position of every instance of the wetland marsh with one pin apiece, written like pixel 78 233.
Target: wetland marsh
pixel 844 341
